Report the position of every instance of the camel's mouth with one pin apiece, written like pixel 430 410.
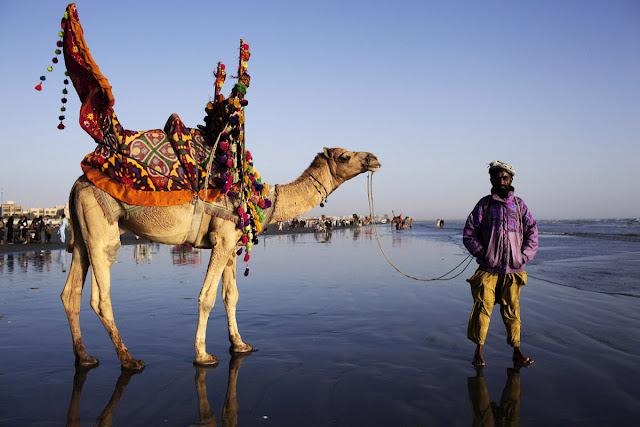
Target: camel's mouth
pixel 372 163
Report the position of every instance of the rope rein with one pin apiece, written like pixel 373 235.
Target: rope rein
pixel 442 277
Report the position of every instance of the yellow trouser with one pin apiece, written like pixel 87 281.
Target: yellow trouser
pixel 487 289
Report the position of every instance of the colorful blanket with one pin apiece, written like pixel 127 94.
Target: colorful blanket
pixel 154 167
pixel 170 166
pixel 161 167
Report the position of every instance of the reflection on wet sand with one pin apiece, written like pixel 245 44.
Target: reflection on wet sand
pixel 322 236
pixel 231 406
pixel 205 413
pixel 488 413
pixel 185 254
pixel 143 252
pixel 39 261
pixel 106 416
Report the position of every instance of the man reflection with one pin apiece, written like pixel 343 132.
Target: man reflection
pixel 488 413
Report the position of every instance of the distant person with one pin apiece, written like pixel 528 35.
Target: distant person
pixel 33 230
pixel 503 236
pixel 48 230
pixel 2 230
pixel 24 229
pixel 62 230
pixel 10 230
pixel 40 229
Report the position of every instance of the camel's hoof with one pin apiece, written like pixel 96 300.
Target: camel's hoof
pixel 87 361
pixel 132 365
pixel 207 360
pixel 242 348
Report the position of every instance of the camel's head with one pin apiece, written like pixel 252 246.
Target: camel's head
pixel 345 164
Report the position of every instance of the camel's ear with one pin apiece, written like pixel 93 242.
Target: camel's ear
pixel 326 152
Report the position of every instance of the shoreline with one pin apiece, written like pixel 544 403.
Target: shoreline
pixel 130 239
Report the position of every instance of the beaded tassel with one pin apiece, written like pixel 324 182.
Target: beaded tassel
pixel 54 61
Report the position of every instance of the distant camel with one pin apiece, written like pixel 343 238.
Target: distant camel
pixel 401 223
pixel 96 239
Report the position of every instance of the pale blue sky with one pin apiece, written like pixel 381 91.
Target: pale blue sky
pixel 435 89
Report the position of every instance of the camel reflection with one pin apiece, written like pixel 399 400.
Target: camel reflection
pixel 488 413
pixel 106 416
pixel 207 418
pixel 230 407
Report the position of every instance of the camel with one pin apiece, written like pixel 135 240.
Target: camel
pixel 97 220
pixel 401 223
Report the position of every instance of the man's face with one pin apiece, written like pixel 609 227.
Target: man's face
pixel 501 180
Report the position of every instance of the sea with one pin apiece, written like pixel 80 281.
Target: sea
pixel 600 255
pixel 342 336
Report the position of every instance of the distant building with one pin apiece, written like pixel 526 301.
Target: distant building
pixel 10 208
pixel 36 212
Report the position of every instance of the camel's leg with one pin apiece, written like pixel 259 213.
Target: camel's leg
pixel 103 241
pixel 230 298
pixel 72 298
pixel 220 253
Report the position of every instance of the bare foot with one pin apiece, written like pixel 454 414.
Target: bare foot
pixel 478 359
pixel 206 360
pixel 520 359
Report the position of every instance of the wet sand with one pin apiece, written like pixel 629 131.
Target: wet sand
pixel 342 339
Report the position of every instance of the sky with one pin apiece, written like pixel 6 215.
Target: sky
pixel 435 89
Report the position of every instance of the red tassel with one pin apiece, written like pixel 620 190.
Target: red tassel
pixel 38 87
pixel 61 126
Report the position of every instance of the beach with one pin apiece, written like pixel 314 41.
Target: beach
pixel 343 339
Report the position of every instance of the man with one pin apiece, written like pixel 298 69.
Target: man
pixel 503 236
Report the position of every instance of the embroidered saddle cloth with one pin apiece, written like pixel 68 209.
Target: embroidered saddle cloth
pixel 150 168
pixel 154 167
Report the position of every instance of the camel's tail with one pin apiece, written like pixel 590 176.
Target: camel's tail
pixel 74 226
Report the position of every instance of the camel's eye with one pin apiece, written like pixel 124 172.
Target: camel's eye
pixel 344 157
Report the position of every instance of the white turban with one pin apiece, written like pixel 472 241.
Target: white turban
pixel 497 164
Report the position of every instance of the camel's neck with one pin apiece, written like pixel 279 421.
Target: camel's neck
pixel 305 193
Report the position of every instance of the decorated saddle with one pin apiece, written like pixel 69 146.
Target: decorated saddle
pixel 169 166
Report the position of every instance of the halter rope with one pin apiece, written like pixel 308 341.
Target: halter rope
pixel 375 230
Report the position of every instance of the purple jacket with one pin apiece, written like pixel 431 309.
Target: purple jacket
pixel 493 235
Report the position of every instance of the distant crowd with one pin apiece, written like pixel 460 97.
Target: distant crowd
pixel 323 223
pixel 19 229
